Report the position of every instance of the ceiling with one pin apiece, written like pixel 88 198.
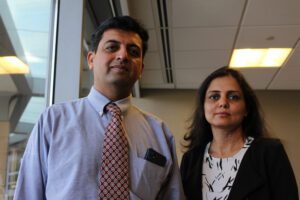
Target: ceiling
pixel 188 40
pixel 191 38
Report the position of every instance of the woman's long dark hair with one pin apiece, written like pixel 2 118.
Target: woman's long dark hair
pixel 200 130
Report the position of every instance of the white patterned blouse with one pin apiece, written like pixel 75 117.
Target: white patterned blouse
pixel 218 174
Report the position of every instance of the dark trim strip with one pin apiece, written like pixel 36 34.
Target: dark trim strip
pixel 164 31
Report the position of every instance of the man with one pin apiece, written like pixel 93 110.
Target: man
pixel 64 155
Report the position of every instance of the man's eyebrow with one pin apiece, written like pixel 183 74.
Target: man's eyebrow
pixel 112 41
pixel 134 45
pixel 115 41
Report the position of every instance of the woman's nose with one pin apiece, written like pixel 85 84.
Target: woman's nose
pixel 223 102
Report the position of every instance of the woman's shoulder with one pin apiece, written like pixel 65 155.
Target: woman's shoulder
pixel 267 142
pixel 267 147
pixel 194 150
pixel 193 156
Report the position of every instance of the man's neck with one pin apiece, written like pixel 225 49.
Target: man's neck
pixel 113 93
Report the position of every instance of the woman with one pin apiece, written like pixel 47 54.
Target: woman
pixel 228 157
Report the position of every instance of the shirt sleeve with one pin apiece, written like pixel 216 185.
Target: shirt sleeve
pixel 172 189
pixel 32 176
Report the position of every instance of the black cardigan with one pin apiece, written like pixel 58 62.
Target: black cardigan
pixel 265 173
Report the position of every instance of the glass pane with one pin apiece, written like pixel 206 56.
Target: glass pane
pixel 95 13
pixel 24 38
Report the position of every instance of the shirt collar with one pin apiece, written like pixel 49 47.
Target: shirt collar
pixel 99 101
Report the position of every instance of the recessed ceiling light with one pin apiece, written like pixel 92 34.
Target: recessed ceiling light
pixel 273 57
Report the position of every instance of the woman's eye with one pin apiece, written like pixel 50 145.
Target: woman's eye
pixel 234 97
pixel 214 97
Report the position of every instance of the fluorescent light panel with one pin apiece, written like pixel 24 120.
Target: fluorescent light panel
pixel 12 65
pixel 273 57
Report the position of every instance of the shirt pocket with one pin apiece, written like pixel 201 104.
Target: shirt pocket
pixel 149 178
pixel 133 196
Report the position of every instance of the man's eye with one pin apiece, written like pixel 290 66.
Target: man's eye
pixel 111 48
pixel 134 51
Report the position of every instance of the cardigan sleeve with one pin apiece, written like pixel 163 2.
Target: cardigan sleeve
pixel 282 180
pixel 183 171
pixel 183 166
pixel 191 173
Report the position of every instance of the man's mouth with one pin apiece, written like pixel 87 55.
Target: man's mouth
pixel 119 68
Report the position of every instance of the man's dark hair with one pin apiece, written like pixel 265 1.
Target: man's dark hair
pixel 253 124
pixel 125 23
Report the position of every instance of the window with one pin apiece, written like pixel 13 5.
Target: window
pixel 25 31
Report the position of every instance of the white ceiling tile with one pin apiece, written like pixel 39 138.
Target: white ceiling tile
pixel 286 79
pixel 203 33
pixel 190 13
pixel 154 79
pixel 272 12
pixel 142 10
pixel 259 78
pixel 201 59
pixel 294 60
pixel 152 61
pixel 203 38
pixel 268 36
pixel 153 40
pixel 190 78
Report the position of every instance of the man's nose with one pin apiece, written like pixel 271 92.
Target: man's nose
pixel 122 54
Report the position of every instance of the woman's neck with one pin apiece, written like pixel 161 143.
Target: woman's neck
pixel 226 143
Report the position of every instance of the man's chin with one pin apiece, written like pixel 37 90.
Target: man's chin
pixel 125 83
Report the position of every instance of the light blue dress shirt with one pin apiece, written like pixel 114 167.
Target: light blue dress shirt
pixel 63 155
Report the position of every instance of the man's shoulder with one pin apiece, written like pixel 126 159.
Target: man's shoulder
pixel 146 114
pixel 152 120
pixel 70 103
pixel 65 107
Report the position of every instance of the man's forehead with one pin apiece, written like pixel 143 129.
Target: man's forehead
pixel 121 35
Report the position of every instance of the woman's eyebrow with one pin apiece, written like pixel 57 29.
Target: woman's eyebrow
pixel 234 91
pixel 213 91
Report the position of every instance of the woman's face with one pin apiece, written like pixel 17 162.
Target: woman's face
pixel 224 104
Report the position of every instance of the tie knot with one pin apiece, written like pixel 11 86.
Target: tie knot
pixel 113 108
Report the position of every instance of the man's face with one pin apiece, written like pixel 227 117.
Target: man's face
pixel 118 60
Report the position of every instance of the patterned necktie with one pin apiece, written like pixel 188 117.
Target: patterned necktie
pixel 114 181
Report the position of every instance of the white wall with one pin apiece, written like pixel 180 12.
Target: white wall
pixel 281 108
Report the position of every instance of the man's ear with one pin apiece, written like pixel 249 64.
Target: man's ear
pixel 140 75
pixel 90 59
pixel 246 114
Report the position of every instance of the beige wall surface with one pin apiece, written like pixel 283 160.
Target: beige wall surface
pixel 281 108
pixel 4 131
